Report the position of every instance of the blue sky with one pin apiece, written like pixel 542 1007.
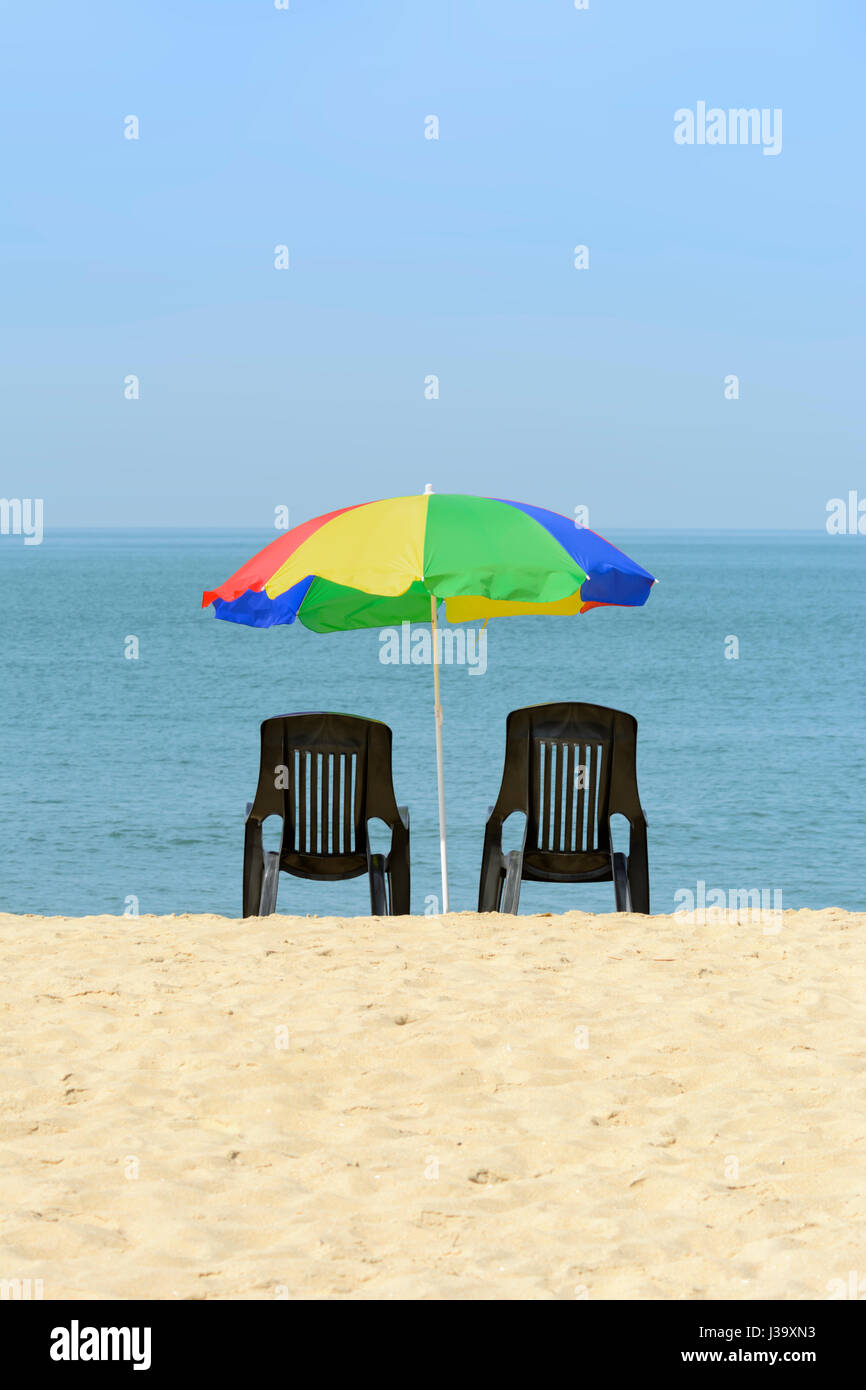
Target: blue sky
pixel 412 257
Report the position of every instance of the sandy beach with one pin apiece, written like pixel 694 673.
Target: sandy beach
pixel 456 1107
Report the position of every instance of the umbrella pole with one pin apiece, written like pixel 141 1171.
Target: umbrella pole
pixel 443 850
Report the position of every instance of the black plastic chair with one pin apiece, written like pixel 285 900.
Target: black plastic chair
pixel 326 776
pixel 568 768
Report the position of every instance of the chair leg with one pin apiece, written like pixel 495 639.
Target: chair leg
pixel 378 886
pixel 397 883
pixel 621 890
pixel 492 868
pixel 397 876
pixel 492 878
pixel 511 890
pixel 638 872
pixel 253 866
pixel 270 884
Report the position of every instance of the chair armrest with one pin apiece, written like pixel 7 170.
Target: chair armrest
pixel 638 822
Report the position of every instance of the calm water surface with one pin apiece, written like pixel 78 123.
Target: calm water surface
pixel 129 778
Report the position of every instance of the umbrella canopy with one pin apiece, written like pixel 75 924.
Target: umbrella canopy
pixel 378 563
pixel 381 563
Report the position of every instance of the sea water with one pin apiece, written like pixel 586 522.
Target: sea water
pixel 129 722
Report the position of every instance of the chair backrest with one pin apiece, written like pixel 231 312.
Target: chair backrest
pixel 325 775
pixel 568 768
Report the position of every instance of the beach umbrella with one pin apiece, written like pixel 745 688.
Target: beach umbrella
pixel 377 564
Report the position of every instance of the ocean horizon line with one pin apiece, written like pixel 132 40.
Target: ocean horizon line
pixel 632 530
